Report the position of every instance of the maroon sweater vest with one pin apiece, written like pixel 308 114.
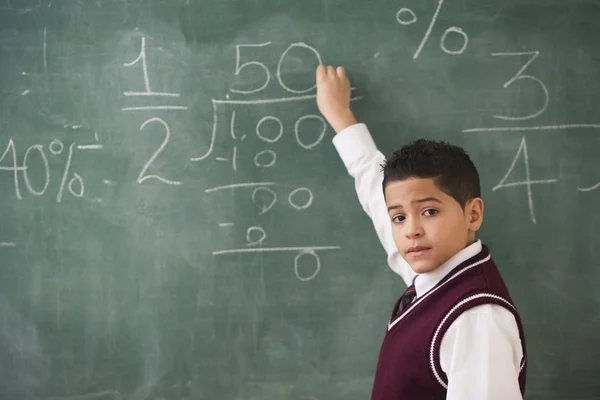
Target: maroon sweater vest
pixel 409 361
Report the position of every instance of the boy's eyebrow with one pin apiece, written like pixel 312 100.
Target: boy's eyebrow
pixel 423 200
pixel 426 199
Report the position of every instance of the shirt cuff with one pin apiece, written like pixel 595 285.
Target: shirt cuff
pixel 353 143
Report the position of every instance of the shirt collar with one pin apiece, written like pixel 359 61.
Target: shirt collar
pixel 426 281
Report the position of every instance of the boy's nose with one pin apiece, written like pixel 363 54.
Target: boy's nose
pixel 414 229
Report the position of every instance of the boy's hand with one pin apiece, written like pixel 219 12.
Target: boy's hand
pixel 333 97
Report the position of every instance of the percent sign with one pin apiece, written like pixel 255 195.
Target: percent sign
pixel 406 16
pixel 56 148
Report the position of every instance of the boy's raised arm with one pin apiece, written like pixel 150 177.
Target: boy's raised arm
pixel 360 156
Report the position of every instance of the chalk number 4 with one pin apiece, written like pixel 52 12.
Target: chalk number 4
pixel 528 182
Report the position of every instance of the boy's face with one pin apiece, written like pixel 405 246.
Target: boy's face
pixel 428 225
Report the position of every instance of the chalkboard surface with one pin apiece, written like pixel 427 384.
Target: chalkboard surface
pixel 175 223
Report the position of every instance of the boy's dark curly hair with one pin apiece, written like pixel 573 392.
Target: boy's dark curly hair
pixel 449 166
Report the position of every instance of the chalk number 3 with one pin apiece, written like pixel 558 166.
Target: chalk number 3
pixel 521 76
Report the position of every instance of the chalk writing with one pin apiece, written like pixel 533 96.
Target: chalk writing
pixel 305 249
pixel 233 159
pixel 317 267
pixel 528 181
pixel 281 59
pixel 154 108
pixel 14 168
pixel 402 20
pixel 267 139
pixel 319 139
pixel 297 205
pixel 405 16
pixel 45 50
pixel 73 182
pixel 265 198
pixel 75 179
pixel 40 150
pixel 265 158
pixel 269 130
pixel 520 76
pixel 264 208
pixel 589 189
pixel 142 176
pixel 38 76
pixel 216 103
pixel 534 128
pixel 255 229
pixel 239 67
pixel 239 185
pixel 141 59
pixel 232 128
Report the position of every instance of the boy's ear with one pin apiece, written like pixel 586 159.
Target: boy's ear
pixel 474 214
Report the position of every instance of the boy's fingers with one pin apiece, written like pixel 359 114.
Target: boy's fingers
pixel 321 72
pixel 330 72
pixel 341 72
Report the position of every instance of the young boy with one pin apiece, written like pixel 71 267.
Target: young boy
pixel 455 333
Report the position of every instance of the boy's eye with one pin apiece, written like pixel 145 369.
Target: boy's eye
pixel 430 212
pixel 398 218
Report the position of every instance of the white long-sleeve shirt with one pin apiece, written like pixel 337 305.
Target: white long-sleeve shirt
pixel 481 351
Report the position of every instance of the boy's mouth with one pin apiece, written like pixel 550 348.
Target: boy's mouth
pixel 417 251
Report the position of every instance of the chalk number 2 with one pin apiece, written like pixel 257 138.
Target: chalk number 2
pixel 142 176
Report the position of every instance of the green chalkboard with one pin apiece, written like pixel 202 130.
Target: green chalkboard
pixel 175 223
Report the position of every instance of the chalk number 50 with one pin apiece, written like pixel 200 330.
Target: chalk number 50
pixel 239 67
